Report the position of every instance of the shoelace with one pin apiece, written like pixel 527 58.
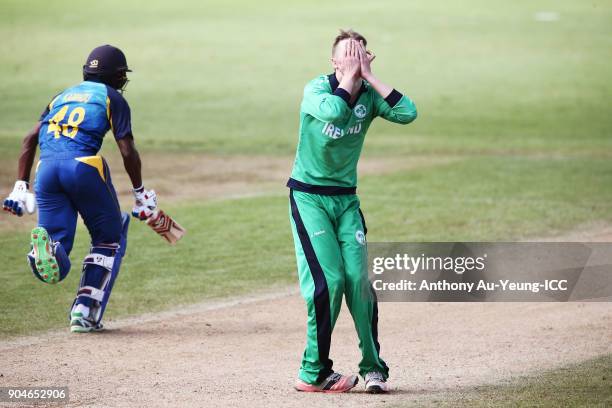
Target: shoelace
pixel 334 377
pixel 375 376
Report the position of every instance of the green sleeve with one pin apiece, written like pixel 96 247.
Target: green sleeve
pixel 322 104
pixel 395 108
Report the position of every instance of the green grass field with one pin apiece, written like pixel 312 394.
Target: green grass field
pixel 227 77
pixel 522 105
pixel 579 385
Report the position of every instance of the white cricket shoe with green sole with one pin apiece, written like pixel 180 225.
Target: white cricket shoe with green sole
pixel 81 324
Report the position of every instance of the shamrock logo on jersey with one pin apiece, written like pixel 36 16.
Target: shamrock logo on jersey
pixel 360 237
pixel 360 111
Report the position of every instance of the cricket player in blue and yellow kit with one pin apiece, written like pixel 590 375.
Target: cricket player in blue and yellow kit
pixel 71 179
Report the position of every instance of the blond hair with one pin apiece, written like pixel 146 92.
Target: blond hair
pixel 345 34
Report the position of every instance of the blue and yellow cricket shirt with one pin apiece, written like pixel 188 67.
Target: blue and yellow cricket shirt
pixel 76 120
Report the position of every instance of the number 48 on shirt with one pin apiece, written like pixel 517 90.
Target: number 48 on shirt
pixel 71 127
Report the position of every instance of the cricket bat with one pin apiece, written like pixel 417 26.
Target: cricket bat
pixel 166 227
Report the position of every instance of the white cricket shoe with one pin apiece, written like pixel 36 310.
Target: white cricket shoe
pixel 375 383
pixel 82 324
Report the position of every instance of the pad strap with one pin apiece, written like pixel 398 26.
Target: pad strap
pixel 98 259
pixel 91 292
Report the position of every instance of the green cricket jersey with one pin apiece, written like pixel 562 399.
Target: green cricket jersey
pixel 332 133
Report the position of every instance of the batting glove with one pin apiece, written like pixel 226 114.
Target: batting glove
pixel 145 204
pixel 20 200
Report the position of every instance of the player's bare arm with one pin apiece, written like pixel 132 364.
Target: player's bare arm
pixel 28 153
pixel 21 199
pixel 392 104
pixel 145 201
pixel 131 160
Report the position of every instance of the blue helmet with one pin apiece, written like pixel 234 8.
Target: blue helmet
pixel 107 64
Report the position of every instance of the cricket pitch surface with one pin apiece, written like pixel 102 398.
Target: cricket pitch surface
pixel 246 352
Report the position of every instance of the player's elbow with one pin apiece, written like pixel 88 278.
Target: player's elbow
pixel 407 117
pixel 332 117
pixel 127 148
pixel 333 113
pixel 130 155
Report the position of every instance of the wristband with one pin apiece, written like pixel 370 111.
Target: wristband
pixel 393 98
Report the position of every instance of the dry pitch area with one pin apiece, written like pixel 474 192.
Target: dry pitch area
pixel 246 352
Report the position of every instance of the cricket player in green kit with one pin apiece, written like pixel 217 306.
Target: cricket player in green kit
pixel 328 226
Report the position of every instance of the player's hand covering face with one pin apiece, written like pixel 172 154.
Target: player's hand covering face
pixel 346 59
pixel 365 59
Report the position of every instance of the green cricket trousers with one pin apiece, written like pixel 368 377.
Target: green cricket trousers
pixel 331 251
